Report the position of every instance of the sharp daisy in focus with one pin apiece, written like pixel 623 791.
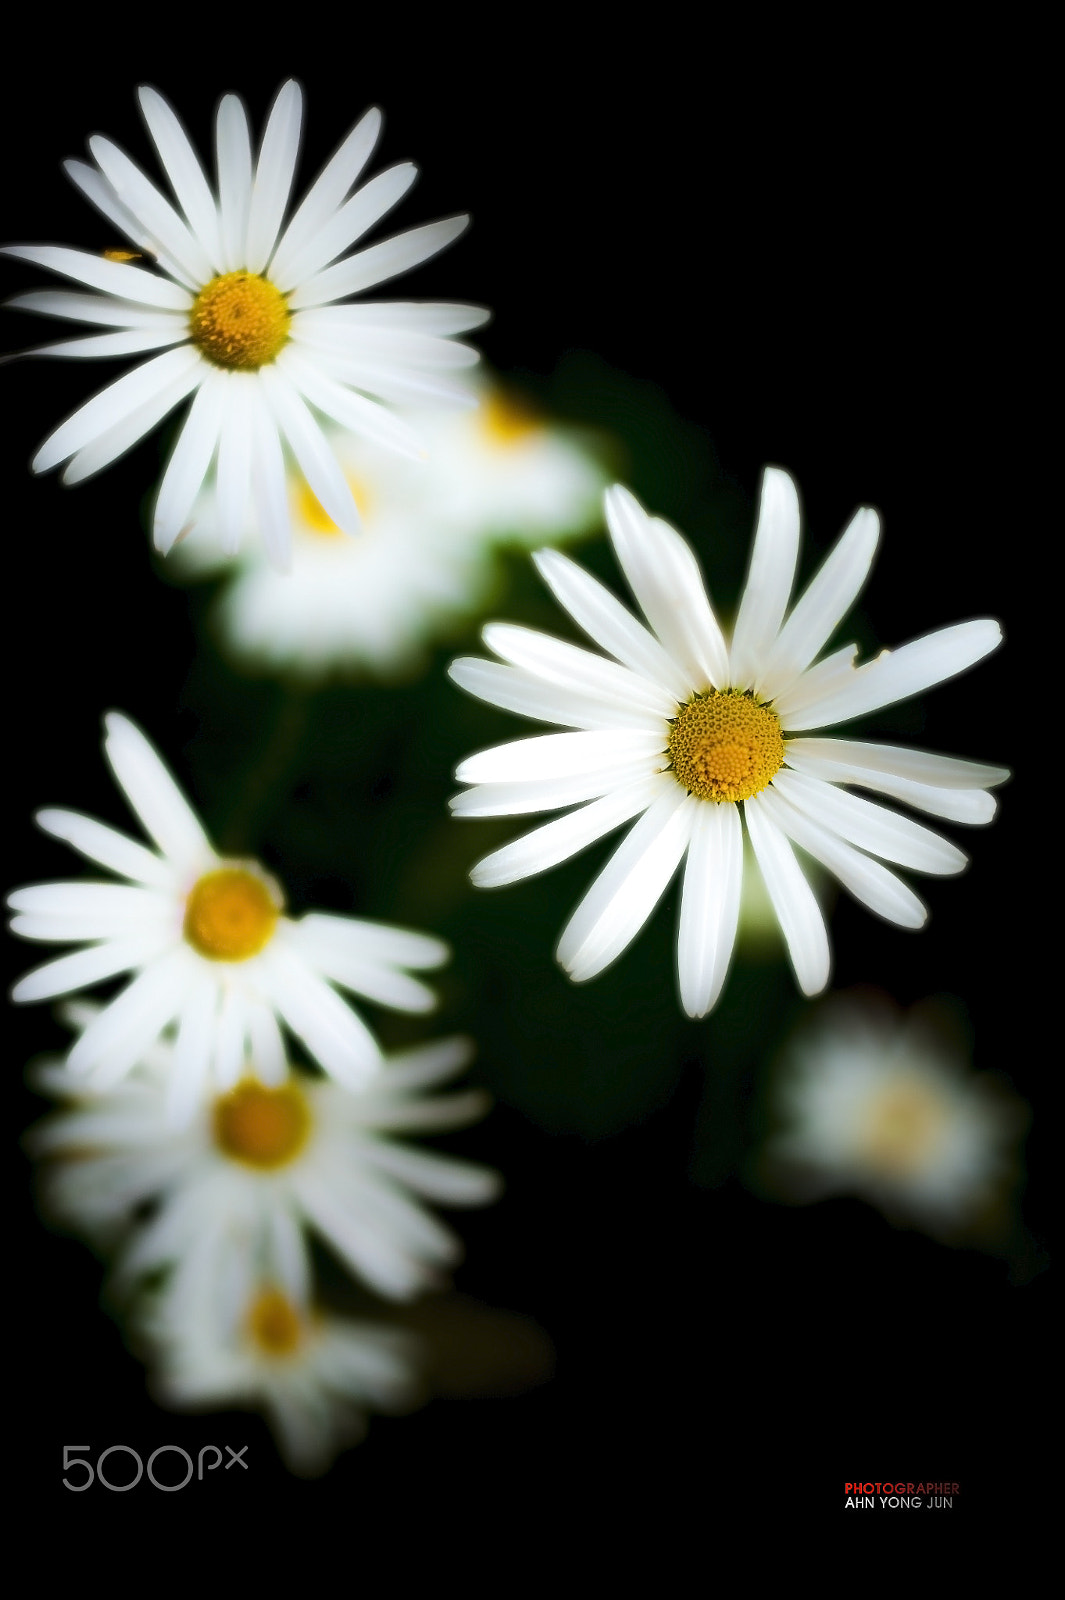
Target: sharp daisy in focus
pixel 210 948
pixel 685 730
pixel 258 1166
pixel 250 315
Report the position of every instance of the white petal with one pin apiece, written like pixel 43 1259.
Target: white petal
pixel 107 846
pixel 710 906
pixel 440 1178
pixel 364 417
pixel 372 266
pixel 898 674
pixel 514 690
pixel 228 1043
pixel 377 982
pixel 112 906
pixel 865 878
pixel 973 807
pixel 376 942
pixel 557 841
pixel 78 307
pixel 525 796
pixel 833 673
pixel 772 571
pixel 870 827
pixel 99 193
pixel 823 605
pixel 267 1046
pixel 555 661
pixel 424 1065
pixel 102 346
pixel 233 155
pixel 664 576
pixel 270 485
pixel 373 201
pixel 191 1061
pixel 311 449
pixel 114 1042
pixel 84 967
pixel 629 887
pixel 328 190
pixel 424 317
pixel 920 766
pixel 114 277
pixel 273 176
pixel 392 383
pixel 158 802
pixel 123 434
pixel 606 621
pixel 165 229
pixel 189 461
pixel 559 755
pixel 331 1030
pixel 182 167
pixel 130 398
pixel 800 917
pixel 233 482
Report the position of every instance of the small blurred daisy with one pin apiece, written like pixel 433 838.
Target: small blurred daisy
pixel 210 948
pixel 685 731
pixel 259 1165
pixel 243 310
pixel 877 1104
pixel 313 1374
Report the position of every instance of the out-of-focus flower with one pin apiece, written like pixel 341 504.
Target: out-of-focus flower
pixel 258 1166
pixel 683 731
pixel 879 1104
pixel 313 1374
pixel 210 948
pixel 243 308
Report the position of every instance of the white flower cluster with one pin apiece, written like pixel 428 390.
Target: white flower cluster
pixel 228 1103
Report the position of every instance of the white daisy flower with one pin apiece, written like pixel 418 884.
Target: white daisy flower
pixel 210 947
pixel 244 316
pixel 259 1165
pixel 877 1105
pixel 313 1374
pixel 684 731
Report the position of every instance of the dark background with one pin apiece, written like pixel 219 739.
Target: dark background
pixel 810 251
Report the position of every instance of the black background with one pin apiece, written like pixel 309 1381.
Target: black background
pixel 821 251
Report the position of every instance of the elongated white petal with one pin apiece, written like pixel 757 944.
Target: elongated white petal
pixel 774 556
pixel 111 903
pixel 869 826
pixel 122 434
pixel 98 308
pixel 398 385
pixel 664 577
pixel 111 1044
pixel 389 259
pixel 424 1065
pixel 103 346
pixel 801 920
pixel 629 887
pixel 311 449
pixel 191 1062
pixel 550 794
pixel 823 605
pixel 99 193
pixel 898 674
pixel 228 1044
pixel 233 155
pixel 827 677
pixel 166 230
pixel 865 878
pixel 107 846
pixel 557 755
pixel 377 942
pixel 267 1046
pixel 710 906
pixel 189 461
pixel 269 485
pixel 555 661
pixel 182 167
pixel 328 190
pixel 557 841
pixel 380 983
pixel 441 1178
pixel 273 175
pixel 332 1032
pixel 514 690
pixel 364 417
pixel 84 967
pixel 372 202
pixel 233 485
pixel 424 317
pixel 158 802
pixel 333 329
pixel 113 277
pixel 920 766
pixel 607 622
pixel 129 398
pixel 973 807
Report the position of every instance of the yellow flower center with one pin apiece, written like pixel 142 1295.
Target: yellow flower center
pixel 262 1127
pixel 274 1325
pixel 507 420
pixel 902 1128
pixel 239 321
pixel 725 746
pixel 231 913
pixel 312 517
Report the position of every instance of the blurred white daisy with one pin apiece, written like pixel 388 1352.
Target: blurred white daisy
pixel 258 1165
pixel 243 310
pixel 314 1375
pixel 210 948
pixel 685 731
pixel 877 1104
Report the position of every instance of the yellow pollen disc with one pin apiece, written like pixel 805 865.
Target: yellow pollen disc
pixel 262 1127
pixel 231 914
pixel 312 516
pixel 507 420
pixel 725 746
pixel 239 321
pixel 274 1324
pixel 903 1127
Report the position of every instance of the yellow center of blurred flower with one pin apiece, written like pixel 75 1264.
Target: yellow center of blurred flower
pixel 725 746
pixel 239 321
pixel 507 420
pixel 312 517
pixel 274 1325
pixel 231 913
pixel 902 1128
pixel 262 1127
